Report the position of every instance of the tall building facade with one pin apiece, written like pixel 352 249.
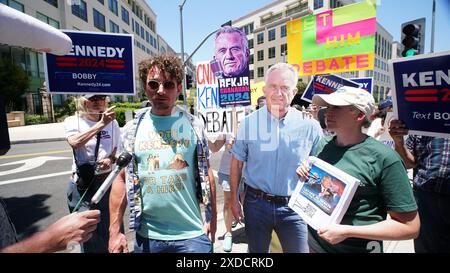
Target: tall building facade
pixel 114 16
pixel 266 33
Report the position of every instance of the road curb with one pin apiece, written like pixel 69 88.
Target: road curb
pixel 27 141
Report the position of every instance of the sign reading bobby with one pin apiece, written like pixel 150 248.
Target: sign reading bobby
pixel 98 63
pixel 421 96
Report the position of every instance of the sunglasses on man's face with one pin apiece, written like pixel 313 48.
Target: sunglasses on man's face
pixel 154 84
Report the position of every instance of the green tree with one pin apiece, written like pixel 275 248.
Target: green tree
pixel 14 83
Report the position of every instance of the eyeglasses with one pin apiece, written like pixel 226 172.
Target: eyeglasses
pixel 154 84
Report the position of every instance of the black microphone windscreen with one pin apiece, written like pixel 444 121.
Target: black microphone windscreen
pixel 123 159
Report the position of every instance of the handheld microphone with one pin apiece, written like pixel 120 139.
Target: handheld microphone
pixel 121 162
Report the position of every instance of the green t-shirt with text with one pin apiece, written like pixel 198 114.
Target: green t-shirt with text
pixel 384 186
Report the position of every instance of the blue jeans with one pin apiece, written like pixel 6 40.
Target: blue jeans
pixel 100 237
pixel 434 213
pixel 200 244
pixel 262 217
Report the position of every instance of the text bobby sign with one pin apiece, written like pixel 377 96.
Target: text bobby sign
pixel 98 63
pixel 336 40
pixel 421 94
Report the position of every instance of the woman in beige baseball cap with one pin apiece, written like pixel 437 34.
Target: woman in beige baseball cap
pixel 384 186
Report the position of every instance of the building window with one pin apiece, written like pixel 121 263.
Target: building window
pixel 13 4
pixel 142 33
pixel 283 31
pixel 114 28
pixel 252 74
pixel 248 29
pixel 271 52
pixel 318 4
pixel 125 16
pixel 52 2
pixel 251 59
pixel 250 44
pixel 260 55
pixel 260 38
pixel 137 27
pixel 272 34
pixel 99 20
pixel 283 49
pixel 47 20
pixel 113 6
pixel 260 72
pixel 79 9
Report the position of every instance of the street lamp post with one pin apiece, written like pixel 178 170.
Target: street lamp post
pixel 182 52
pixel 432 26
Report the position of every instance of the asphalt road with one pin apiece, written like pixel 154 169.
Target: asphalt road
pixel 33 184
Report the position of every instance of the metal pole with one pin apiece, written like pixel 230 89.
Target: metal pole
pixel 432 26
pixel 182 53
pixel 204 40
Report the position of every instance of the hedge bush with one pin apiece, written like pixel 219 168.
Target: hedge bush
pixel 120 109
pixel 35 119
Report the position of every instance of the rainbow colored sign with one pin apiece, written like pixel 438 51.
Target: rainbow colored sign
pixel 336 40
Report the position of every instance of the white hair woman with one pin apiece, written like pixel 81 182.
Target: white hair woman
pixel 94 135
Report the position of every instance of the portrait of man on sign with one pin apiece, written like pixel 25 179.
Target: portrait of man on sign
pixel 231 52
pixel 230 66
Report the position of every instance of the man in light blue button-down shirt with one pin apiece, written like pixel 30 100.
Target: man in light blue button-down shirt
pixel 273 141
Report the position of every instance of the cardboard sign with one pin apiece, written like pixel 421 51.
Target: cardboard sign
pixel 364 83
pixel 221 120
pixel 337 40
pixel 325 84
pixel 421 93
pixel 98 63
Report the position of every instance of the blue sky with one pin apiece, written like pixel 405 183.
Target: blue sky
pixel 201 17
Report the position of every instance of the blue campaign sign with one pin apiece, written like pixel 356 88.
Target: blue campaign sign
pixel 325 84
pixel 421 95
pixel 234 91
pixel 364 83
pixel 98 63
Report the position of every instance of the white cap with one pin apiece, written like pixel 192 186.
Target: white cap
pixel 88 96
pixel 346 96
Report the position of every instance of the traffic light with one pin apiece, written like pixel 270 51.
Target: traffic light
pixel 188 81
pixel 411 40
pixel 413 37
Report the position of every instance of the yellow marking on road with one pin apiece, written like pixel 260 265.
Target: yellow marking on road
pixel 35 154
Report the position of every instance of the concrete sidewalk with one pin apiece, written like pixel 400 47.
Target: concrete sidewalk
pixel 37 133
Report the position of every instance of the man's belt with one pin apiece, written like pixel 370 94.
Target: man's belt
pixel 282 200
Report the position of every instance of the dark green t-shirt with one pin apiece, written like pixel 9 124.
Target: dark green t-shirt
pixel 384 186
